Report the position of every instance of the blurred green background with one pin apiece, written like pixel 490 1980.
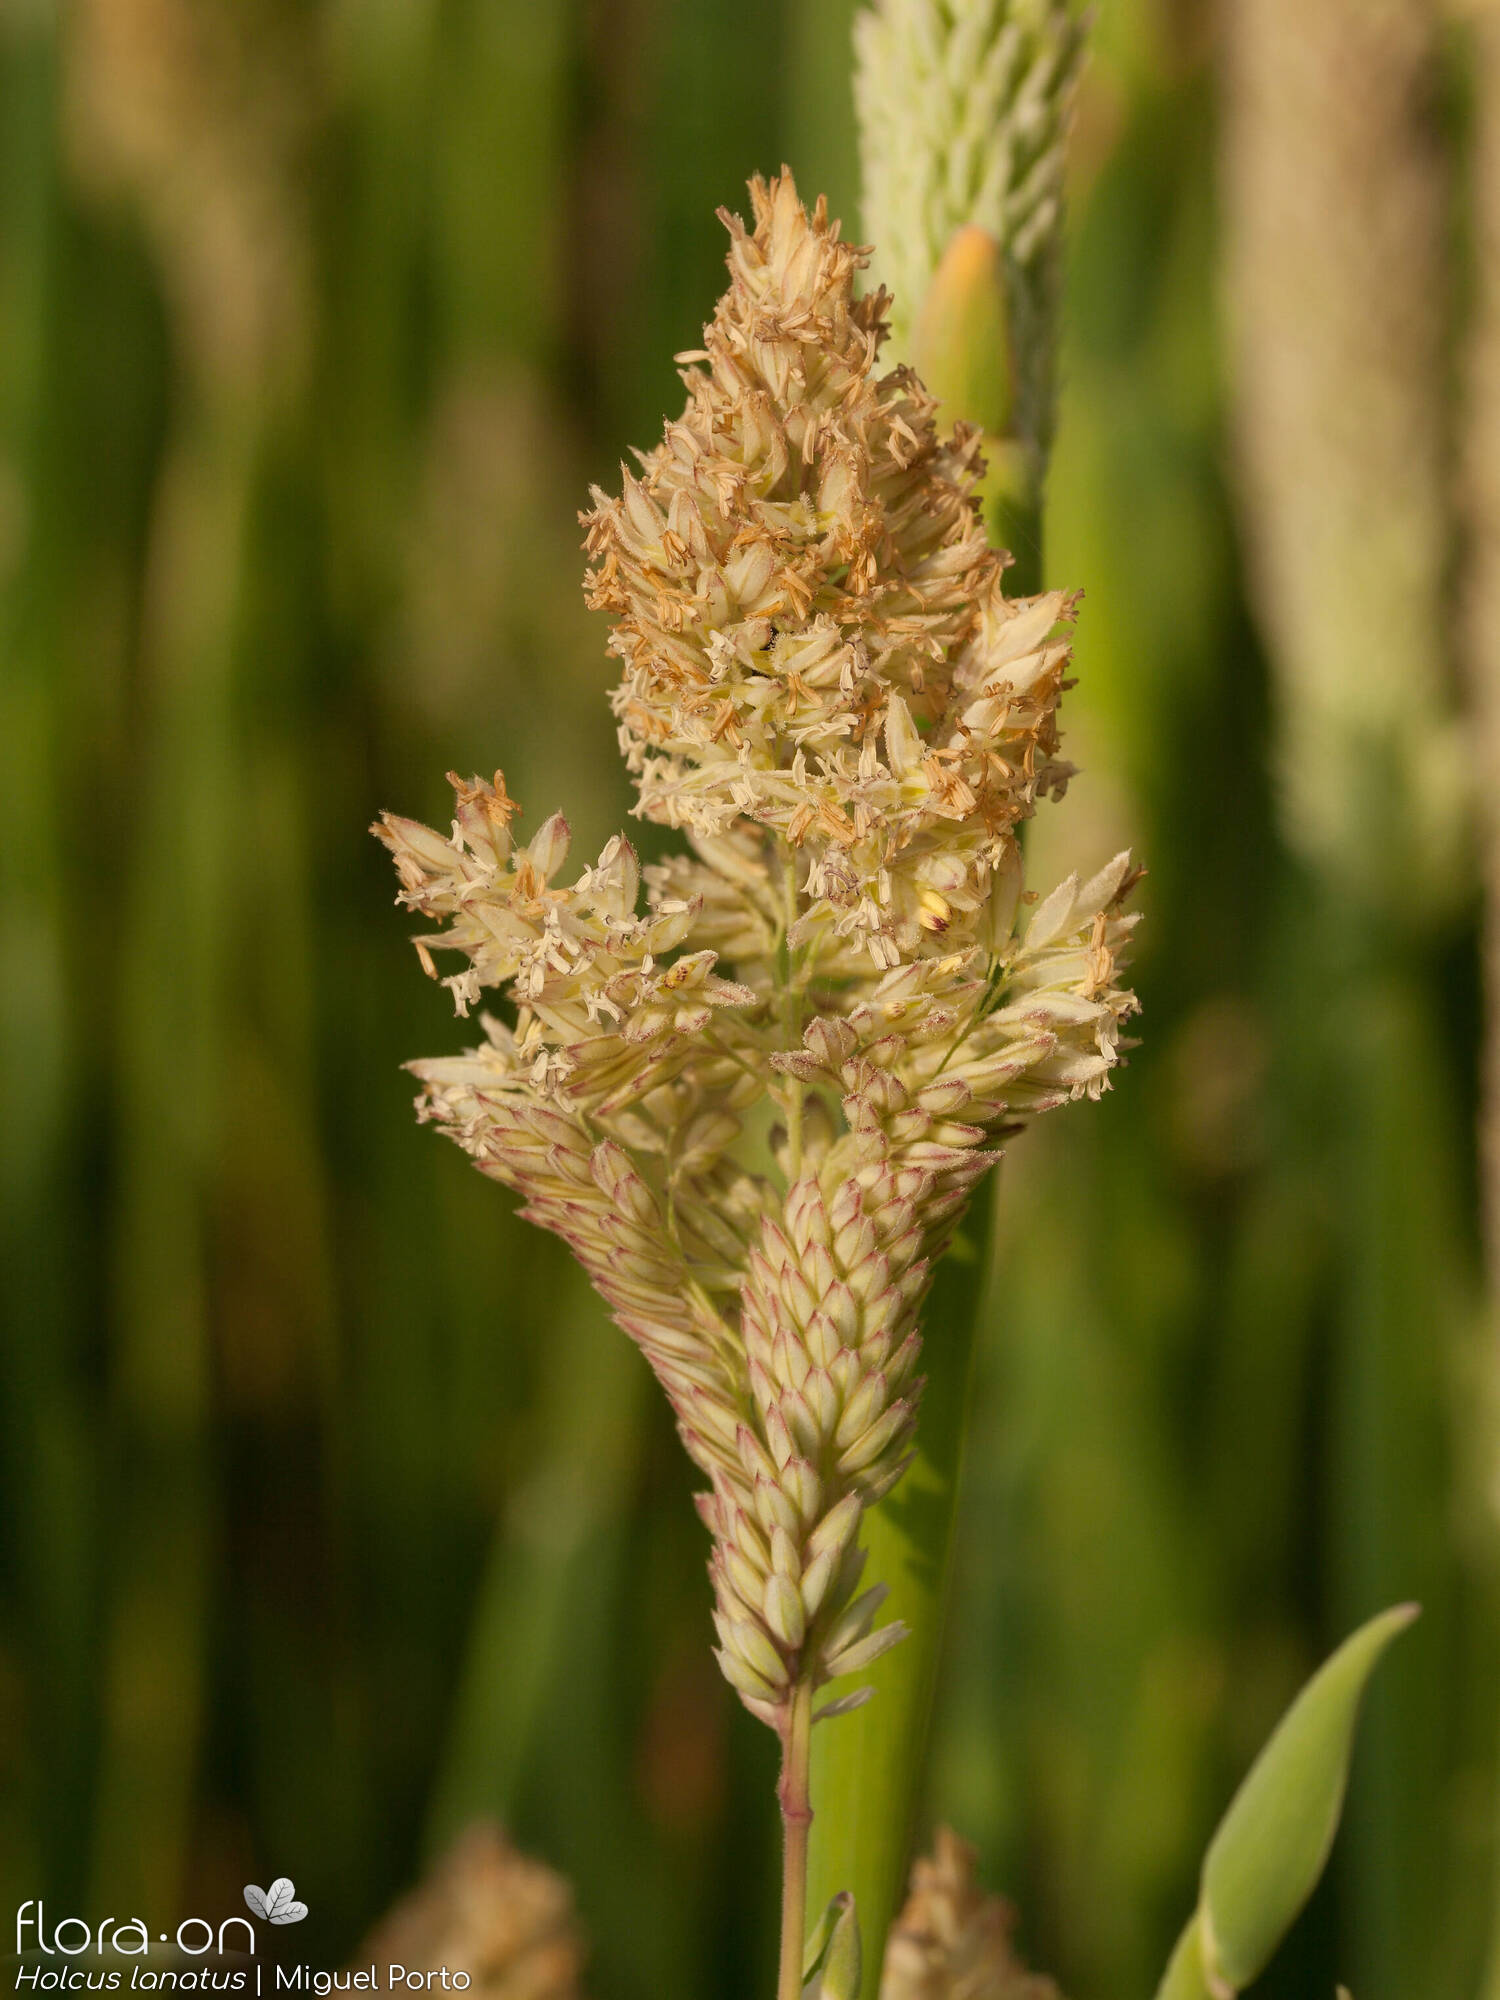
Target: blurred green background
pixel 334 1513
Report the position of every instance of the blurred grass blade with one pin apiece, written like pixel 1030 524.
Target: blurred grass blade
pixel 170 1068
pixel 551 1540
pixel 47 1439
pixel 1371 753
pixel 1481 496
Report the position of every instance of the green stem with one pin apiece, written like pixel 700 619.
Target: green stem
pixel 794 1794
pixel 1011 493
pixel 867 1767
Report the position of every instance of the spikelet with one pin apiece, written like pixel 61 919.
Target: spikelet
pixel 826 689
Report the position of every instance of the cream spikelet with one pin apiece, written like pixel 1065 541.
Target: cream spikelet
pixel 825 688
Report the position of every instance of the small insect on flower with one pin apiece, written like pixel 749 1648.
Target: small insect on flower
pixel 825 688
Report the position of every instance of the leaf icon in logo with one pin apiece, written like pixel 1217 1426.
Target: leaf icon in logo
pixel 278 1904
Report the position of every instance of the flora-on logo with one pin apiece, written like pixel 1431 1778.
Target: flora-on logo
pixel 71 1936
pixel 278 1904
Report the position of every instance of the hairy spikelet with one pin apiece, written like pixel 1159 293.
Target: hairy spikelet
pixel 963 113
pixel 826 689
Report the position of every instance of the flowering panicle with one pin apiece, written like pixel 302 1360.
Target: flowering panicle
pixel 825 687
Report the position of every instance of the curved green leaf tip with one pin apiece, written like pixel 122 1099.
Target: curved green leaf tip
pixel 1272 1844
pixel 831 1969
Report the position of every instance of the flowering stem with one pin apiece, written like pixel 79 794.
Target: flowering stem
pixel 796 1820
pixel 800 1405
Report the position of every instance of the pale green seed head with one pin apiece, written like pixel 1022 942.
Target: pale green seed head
pixel 963 111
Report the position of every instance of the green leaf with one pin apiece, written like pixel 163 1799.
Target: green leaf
pixel 1271 1846
pixel 831 1968
pixel 1185 1977
pixel 961 343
